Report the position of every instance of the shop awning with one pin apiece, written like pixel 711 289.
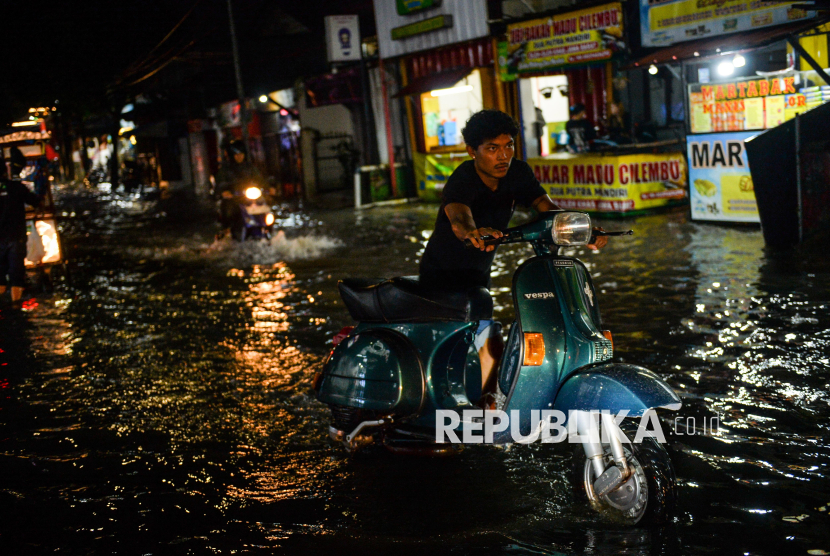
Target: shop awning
pixel 430 82
pixel 717 45
pixel 14 135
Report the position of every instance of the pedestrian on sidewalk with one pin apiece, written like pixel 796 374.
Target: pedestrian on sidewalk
pixel 14 196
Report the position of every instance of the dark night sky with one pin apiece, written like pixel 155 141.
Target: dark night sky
pixel 71 50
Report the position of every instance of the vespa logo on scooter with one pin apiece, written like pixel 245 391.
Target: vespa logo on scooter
pixel 540 295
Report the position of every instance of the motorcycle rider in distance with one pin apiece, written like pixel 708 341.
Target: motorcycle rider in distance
pixel 479 199
pixel 235 176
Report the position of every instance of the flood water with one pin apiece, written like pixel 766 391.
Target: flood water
pixel 160 402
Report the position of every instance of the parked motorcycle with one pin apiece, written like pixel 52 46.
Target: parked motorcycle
pixel 410 364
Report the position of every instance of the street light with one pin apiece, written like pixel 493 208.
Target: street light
pixel 652 69
pixel 263 99
pixel 726 68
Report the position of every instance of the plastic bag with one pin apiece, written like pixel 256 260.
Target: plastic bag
pixel 34 246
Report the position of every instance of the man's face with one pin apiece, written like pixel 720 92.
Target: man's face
pixel 239 157
pixel 493 157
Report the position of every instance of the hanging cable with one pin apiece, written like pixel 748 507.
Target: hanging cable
pixel 146 61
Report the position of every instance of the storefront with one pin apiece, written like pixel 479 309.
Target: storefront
pixel 568 59
pixel 738 83
pixel 725 114
pixel 439 102
pixel 445 59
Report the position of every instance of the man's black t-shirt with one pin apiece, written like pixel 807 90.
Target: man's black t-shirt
pixel 13 198
pixel 446 262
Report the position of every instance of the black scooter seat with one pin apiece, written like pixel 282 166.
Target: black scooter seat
pixel 404 299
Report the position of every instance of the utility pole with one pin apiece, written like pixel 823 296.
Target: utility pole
pixel 239 90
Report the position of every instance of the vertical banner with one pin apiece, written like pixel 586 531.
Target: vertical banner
pixel 722 187
pixel 342 38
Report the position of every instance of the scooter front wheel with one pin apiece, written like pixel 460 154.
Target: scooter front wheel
pixel 648 497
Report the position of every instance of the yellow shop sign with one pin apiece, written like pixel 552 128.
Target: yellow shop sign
pixel 613 183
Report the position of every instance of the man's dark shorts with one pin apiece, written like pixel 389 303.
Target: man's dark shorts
pixel 12 254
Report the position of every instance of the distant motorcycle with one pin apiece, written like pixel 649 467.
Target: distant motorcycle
pixel 254 217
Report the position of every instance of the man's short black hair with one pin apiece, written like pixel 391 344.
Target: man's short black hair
pixel 488 124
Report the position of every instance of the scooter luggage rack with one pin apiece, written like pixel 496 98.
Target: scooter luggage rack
pixel 350 440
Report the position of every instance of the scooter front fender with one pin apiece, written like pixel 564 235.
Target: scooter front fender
pixel 615 387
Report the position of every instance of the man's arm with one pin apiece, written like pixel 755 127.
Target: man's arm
pixel 464 227
pixel 545 203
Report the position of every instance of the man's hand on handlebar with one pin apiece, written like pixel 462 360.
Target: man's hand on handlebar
pixel 475 237
pixel 597 241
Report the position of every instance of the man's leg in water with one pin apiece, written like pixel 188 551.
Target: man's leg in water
pixel 17 269
pixel 488 341
pixel 12 254
pixel 490 346
pixel 5 255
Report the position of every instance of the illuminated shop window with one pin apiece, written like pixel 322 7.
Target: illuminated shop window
pixel 544 114
pixel 446 111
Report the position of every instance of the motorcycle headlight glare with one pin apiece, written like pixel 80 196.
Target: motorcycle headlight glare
pixel 253 193
pixel 269 219
pixel 571 228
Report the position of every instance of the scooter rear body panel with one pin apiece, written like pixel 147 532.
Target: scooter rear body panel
pixel 407 370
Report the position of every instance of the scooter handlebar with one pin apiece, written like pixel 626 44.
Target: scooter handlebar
pixel 488 240
pixel 620 233
pixel 511 235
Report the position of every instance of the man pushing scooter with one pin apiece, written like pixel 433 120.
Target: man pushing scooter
pixel 479 198
pixel 406 375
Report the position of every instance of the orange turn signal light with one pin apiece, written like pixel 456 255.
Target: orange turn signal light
pixel 534 349
pixel 607 334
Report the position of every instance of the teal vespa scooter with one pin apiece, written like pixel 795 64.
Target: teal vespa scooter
pixel 410 363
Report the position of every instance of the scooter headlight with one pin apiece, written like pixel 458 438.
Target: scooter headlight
pixel 571 228
pixel 269 219
pixel 253 193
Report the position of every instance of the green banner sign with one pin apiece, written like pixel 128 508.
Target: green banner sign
pixel 408 7
pixel 436 23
